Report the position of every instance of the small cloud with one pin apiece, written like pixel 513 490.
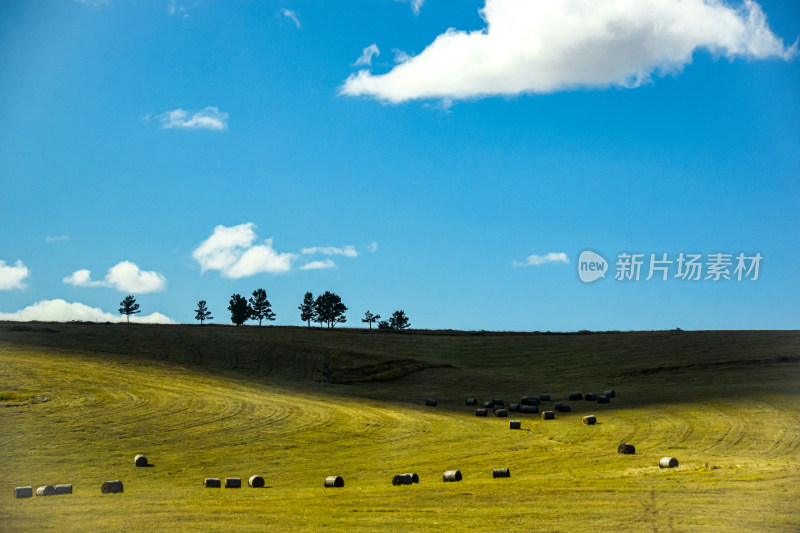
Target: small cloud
pixel 367 54
pixel 178 11
pixel 124 277
pixel 60 238
pixel 232 251
pixel 347 251
pixel 415 4
pixel 12 277
pixel 62 311
pixel 400 56
pixel 373 247
pixel 292 15
pixel 317 265
pixel 536 260
pixel 209 118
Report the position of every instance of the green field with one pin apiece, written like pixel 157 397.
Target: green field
pixel 78 401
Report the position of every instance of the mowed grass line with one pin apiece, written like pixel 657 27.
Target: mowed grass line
pixel 738 458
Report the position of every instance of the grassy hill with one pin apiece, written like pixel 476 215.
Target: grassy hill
pixel 78 401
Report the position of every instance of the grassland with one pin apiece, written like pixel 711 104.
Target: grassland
pixel 78 401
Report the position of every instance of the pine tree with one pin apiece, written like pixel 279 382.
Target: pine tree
pixel 399 320
pixel 202 313
pixel 330 309
pixel 307 308
pixel 240 310
pixel 260 306
pixel 128 307
pixel 369 318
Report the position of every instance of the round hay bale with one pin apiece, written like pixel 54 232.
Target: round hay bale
pixel 627 449
pixel 501 472
pixel 140 460
pixel 544 397
pixel 499 403
pixel 603 399
pixel 111 487
pixel 334 481
pixel 257 482
pixel 513 407
pixel 489 404
pixel 233 483
pixel 524 400
pixel 481 412
pixel 562 407
pixel 452 475
pixel 500 412
pixel 472 401
pixel 23 492
pixel 529 409
pixel 46 490
pixel 63 489
pixel 575 396
pixel 610 393
pixel 402 479
pixel 414 477
pixel 590 420
pixel 548 415
pixel 430 402
pixel 668 462
pixel 212 483
pixel 590 397
pixel 514 424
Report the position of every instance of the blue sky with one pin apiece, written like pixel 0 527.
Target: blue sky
pixel 448 158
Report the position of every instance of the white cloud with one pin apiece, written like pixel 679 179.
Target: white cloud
pixel 536 260
pixel 317 265
pixel 60 238
pixel 288 13
pixel 347 251
pixel 538 46
pixel 124 276
pixel 373 246
pixel 415 4
pixel 367 54
pixel 62 311
pixel 12 277
pixel 209 118
pixel 232 251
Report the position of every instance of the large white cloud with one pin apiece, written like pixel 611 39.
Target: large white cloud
pixel 209 118
pixel 62 311
pixel 536 260
pixel 13 276
pixel 542 46
pixel 232 251
pixel 124 276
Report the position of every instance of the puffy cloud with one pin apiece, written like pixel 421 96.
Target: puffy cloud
pixel 317 265
pixel 543 46
pixel 124 276
pixel 232 251
pixel 209 118
pixel 347 251
pixel 62 311
pixel 291 15
pixel 536 260
pixel 367 54
pixel 12 277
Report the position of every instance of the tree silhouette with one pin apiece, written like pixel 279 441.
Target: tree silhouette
pixel 369 318
pixel 399 320
pixel 128 307
pixel 260 307
pixel 240 310
pixel 330 309
pixel 202 313
pixel 308 308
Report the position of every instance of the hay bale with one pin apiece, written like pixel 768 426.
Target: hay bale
pixel 590 397
pixel 23 492
pixel 46 490
pixel 489 404
pixel 481 412
pixel 414 477
pixel 472 401
pixel 402 479
pixel 668 462
pixel 548 415
pixel 501 472
pixel 575 396
pixel 514 424
pixel 334 481
pixel 499 403
pixel 140 460
pixel 500 412
pixel 257 482
pixel 603 399
pixel 513 407
pixel 524 400
pixel 590 420
pixel 452 475
pixel 610 393
pixel 562 407
pixel 111 487
pixel 529 409
pixel 63 489
pixel 430 402
pixel 627 449
pixel 212 483
pixel 544 397
pixel 233 483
